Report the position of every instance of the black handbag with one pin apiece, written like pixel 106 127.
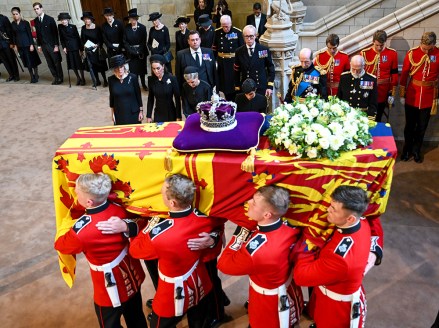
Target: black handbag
pixel 102 54
pixel 168 56
pixel 85 65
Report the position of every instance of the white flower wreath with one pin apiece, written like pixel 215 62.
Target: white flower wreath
pixel 318 128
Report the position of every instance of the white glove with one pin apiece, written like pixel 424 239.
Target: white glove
pixel 402 101
pixel 391 100
pixel 370 262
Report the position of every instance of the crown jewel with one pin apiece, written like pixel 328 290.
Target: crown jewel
pixel 217 115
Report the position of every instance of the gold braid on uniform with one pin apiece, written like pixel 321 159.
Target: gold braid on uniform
pixel 417 66
pixel 373 62
pixel 295 84
pixel 324 68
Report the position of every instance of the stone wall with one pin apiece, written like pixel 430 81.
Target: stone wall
pixel 52 7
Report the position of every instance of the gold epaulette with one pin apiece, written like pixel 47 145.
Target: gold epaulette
pixel 319 52
pixel 341 51
pixel 390 49
pixel 298 65
pixel 219 28
pixel 320 70
pixel 347 72
pixel 237 28
pixel 374 76
pixel 366 49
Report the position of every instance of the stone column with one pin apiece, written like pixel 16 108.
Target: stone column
pixel 282 41
pixel 297 14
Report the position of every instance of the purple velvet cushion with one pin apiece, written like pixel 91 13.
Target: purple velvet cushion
pixel 243 137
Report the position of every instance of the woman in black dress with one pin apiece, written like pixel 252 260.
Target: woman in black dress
pixel 182 35
pixel 222 8
pixel 72 46
pixel 91 37
pixel 125 95
pixel 134 40
pixel 202 9
pixel 158 38
pixel 164 95
pixel 24 43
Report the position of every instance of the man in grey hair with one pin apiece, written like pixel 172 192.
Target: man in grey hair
pixel 116 276
pixel 265 256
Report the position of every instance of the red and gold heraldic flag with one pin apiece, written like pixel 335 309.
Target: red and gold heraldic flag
pixel 138 157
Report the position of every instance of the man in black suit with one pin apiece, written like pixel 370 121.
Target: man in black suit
pixel 253 60
pixel 48 42
pixel 201 58
pixel 6 53
pixel 258 20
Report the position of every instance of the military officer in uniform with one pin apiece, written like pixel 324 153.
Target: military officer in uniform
pixel 359 88
pixel 306 80
pixel 383 63
pixel 265 256
pixel 332 62
pixel 254 61
pixel 337 273
pixel 419 92
pixel 226 40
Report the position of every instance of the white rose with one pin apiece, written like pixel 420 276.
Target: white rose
pixel 335 142
pixel 312 152
pixel 314 112
pixel 310 137
pixel 324 143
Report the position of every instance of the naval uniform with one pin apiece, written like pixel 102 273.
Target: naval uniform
pixel 109 264
pixel 359 92
pixel 167 242
pixel 332 67
pixel 265 255
pixel 224 47
pixel 383 65
pixel 259 67
pixel 305 82
pixel 338 274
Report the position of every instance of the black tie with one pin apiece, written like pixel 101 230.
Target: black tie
pixel 251 52
pixel 41 19
pixel 197 58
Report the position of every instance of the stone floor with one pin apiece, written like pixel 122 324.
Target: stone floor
pixel 36 119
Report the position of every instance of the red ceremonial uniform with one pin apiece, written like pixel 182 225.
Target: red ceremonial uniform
pixel 265 257
pixel 339 270
pixel 419 77
pixel 100 249
pixel 377 238
pixel 334 66
pixel 384 65
pixel 167 242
